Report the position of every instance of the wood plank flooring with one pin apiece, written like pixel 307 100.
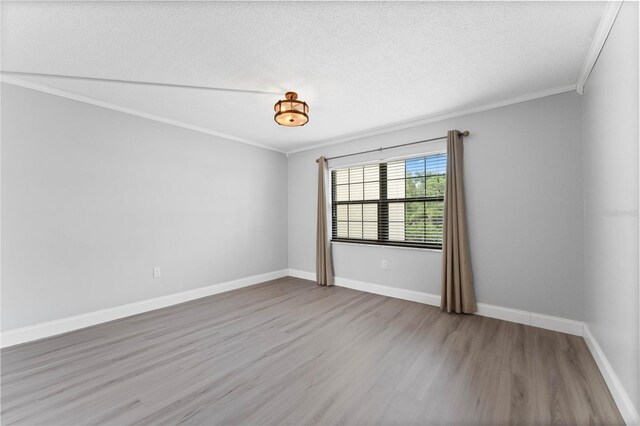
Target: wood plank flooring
pixel 291 352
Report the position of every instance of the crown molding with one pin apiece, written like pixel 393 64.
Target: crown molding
pixel 599 39
pixel 92 101
pixel 137 82
pixel 432 118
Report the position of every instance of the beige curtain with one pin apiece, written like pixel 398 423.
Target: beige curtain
pixel 457 279
pixel 324 268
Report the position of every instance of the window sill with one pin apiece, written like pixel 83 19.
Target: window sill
pixel 344 243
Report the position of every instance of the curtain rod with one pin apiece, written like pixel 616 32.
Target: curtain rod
pixel 465 133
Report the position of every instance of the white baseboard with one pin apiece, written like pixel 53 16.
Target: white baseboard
pixel 620 396
pixel 506 314
pixel 562 325
pixel 302 274
pixel 398 293
pixel 65 325
pixel 512 315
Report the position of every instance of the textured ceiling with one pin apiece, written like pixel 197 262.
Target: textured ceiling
pixel 358 65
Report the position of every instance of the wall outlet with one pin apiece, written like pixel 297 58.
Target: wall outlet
pixel 383 264
pixel 156 272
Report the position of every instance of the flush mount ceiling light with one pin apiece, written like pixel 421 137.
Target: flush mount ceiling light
pixel 291 112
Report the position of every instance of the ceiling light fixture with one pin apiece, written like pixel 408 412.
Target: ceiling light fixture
pixel 291 112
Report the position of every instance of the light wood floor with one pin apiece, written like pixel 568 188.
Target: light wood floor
pixel 291 352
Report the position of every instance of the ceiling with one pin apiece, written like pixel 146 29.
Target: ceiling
pixel 360 66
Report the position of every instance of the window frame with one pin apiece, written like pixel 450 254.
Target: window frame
pixel 383 206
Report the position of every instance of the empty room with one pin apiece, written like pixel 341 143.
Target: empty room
pixel 319 213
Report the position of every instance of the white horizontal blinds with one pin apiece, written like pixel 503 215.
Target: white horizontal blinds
pixel 411 213
pixel 359 188
pixel 435 180
pixel 418 178
pixel 416 221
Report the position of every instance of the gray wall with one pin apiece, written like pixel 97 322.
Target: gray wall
pixel 523 166
pixel 93 199
pixel 610 127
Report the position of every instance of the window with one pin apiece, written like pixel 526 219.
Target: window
pixel 399 203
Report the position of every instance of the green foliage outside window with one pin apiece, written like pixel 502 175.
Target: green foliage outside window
pixel 423 220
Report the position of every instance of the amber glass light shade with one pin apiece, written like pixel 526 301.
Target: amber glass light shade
pixel 291 112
